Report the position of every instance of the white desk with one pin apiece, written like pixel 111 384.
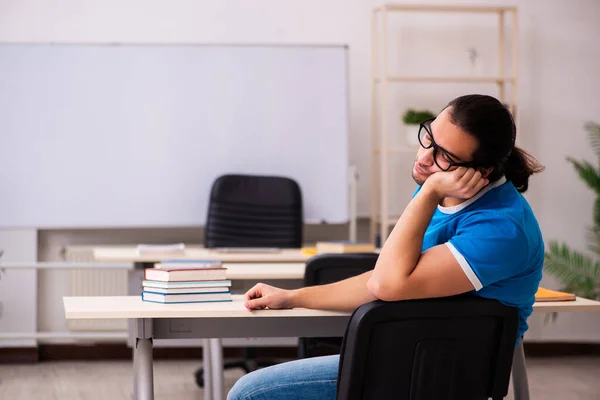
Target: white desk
pixel 220 320
pixel 265 271
pixel 103 307
pixel 130 254
pixel 200 320
pixel 285 264
pixel 288 264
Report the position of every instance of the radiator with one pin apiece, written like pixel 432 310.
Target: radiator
pixel 95 283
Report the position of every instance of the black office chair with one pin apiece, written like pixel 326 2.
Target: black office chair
pixel 253 211
pixel 329 268
pixel 458 348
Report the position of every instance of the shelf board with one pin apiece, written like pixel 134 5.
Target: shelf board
pixel 448 79
pixel 391 219
pixel 442 8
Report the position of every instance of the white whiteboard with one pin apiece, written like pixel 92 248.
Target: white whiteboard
pixel 134 135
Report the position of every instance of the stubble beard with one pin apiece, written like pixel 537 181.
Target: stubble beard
pixel 418 181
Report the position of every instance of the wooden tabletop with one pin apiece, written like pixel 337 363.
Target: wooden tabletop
pixel 131 254
pixel 133 307
pixel 580 304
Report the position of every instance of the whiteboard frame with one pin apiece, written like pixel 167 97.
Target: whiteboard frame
pixel 350 184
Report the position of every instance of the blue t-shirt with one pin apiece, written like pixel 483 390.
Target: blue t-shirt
pixel 497 241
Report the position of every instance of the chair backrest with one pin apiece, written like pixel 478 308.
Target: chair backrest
pixel 458 348
pixel 254 211
pixel 324 269
pixel 328 268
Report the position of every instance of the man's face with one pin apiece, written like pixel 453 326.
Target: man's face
pixel 453 146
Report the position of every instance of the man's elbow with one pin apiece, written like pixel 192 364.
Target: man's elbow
pixel 384 291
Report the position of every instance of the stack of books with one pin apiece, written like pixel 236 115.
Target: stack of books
pixel 186 281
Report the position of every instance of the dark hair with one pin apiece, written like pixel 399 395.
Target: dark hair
pixel 488 120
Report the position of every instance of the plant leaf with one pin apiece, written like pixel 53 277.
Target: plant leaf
pixel 594 136
pixel 597 213
pixel 593 239
pixel 588 173
pixel 579 273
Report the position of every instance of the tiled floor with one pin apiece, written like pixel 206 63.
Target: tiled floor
pixel 575 378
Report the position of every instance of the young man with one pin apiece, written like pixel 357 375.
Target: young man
pixel 467 229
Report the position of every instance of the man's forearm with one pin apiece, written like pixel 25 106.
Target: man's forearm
pixel 398 258
pixel 402 250
pixel 346 295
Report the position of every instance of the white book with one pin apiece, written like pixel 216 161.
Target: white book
pixel 185 298
pixel 185 274
pixel 185 290
pixel 187 284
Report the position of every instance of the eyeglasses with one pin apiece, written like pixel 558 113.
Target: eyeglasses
pixel 441 157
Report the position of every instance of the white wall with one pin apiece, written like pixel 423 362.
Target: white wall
pixel 18 288
pixel 559 85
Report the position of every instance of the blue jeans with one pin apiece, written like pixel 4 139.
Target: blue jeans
pixel 306 379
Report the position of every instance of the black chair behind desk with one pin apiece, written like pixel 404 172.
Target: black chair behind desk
pixel 253 211
pixel 455 348
pixel 329 268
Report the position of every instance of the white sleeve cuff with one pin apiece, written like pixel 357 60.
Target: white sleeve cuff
pixel 465 266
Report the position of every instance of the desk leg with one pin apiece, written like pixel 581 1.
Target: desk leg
pixel 519 374
pixel 134 288
pixel 207 364
pixel 143 374
pixel 135 367
pixel 216 355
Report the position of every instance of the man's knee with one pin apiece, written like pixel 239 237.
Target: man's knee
pixel 298 379
pixel 243 388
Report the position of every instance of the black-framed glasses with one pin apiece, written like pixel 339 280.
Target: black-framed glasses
pixel 441 157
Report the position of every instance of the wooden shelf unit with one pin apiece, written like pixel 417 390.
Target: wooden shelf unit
pixel 447 79
pixel 381 78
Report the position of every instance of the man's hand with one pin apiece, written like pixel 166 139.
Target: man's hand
pixel 262 296
pixel 461 183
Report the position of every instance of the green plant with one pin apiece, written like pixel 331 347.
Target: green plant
pixel 415 117
pixel 580 273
